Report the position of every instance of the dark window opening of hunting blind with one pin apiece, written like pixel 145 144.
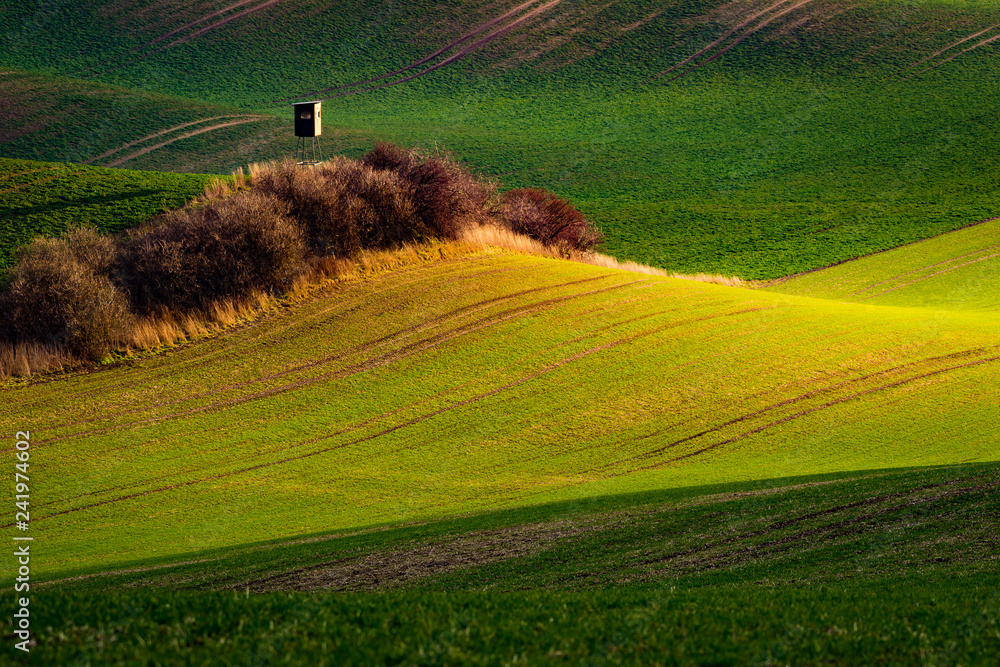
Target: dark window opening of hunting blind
pixel 307 119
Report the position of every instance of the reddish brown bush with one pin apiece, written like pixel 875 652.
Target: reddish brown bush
pixel 445 194
pixel 55 296
pixel 192 257
pixel 543 216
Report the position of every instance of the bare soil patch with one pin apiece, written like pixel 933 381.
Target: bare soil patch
pixel 398 567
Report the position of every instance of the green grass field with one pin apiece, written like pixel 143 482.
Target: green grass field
pixel 481 457
pixel 812 139
pixel 46 198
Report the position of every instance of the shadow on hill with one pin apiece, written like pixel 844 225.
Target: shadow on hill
pixel 816 527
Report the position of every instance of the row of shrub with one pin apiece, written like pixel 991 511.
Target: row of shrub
pixel 83 293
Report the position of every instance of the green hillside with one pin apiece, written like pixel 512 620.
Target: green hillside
pixel 485 382
pixel 45 198
pixel 806 133
pixel 460 436
pixel 955 271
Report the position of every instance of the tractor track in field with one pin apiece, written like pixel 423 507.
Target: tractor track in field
pixel 160 134
pixel 924 268
pixel 937 64
pixel 415 420
pixel 199 354
pixel 743 24
pixel 951 46
pixel 426 59
pixel 105 69
pixel 784 279
pixel 936 273
pixel 742 37
pixel 920 495
pixel 789 401
pixel 472 48
pixel 358 349
pixel 186 135
pixel 459 404
pixel 439 395
pixel 370 364
pixel 797 415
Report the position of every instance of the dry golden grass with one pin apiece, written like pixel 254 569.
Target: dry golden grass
pixel 498 237
pixel 26 359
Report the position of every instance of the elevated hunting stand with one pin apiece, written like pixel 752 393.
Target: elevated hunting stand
pixel 308 126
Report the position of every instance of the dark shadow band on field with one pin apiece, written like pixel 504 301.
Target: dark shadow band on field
pixel 266 559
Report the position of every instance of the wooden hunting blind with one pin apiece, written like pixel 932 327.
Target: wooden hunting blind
pixel 307 119
pixel 308 126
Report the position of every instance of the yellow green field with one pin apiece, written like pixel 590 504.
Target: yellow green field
pixel 485 381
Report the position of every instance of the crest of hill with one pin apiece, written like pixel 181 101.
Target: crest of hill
pixel 959 270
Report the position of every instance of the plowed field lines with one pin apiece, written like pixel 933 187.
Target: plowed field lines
pixel 475 46
pixel 125 60
pixel 797 415
pixel 360 367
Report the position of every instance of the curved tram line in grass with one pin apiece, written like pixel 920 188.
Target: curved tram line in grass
pixel 369 346
pixel 160 134
pixel 360 367
pixel 729 34
pixel 102 69
pixel 739 39
pixel 797 415
pixel 426 59
pixel 423 401
pixel 913 495
pixel 447 61
pixel 950 47
pixel 850 382
pixel 930 275
pixel 186 135
pixel 198 355
pixel 416 420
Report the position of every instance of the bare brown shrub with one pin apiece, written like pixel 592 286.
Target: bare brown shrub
pixel 447 196
pixel 345 206
pixel 55 297
pixel 541 215
pixel 190 258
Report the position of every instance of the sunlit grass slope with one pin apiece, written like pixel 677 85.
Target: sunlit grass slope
pixel 955 271
pixel 490 381
pixel 45 198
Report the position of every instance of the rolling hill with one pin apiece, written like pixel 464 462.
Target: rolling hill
pixel 468 455
pixel 364 435
pixel 797 135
